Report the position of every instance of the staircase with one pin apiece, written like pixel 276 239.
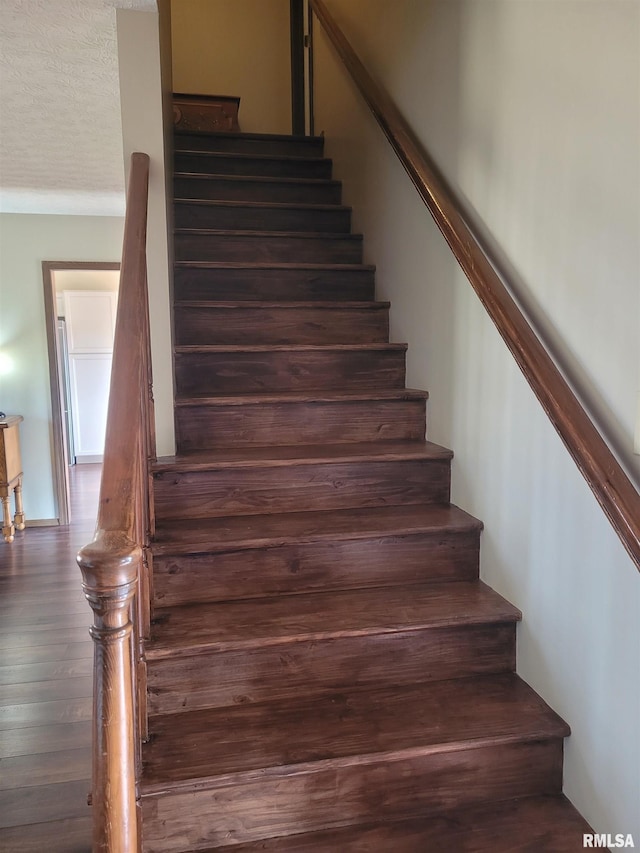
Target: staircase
pixel 326 670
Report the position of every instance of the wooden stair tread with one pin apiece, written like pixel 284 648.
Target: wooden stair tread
pixel 187 348
pixel 266 179
pixel 265 235
pixel 320 305
pixel 297 397
pixel 257 623
pixel 257 531
pixel 300 454
pixel 267 265
pixel 546 824
pixel 250 155
pixel 234 134
pixel 215 747
pixel 243 155
pixel 261 205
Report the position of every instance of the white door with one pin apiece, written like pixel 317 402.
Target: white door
pixel 90 318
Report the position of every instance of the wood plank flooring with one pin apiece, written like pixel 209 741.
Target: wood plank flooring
pixel 45 683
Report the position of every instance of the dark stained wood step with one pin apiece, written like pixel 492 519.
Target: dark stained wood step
pixel 180 632
pixel 275 529
pixel 286 479
pixel 262 216
pixel 203 424
pixel 533 825
pixel 250 556
pixel 282 282
pixel 345 728
pixel 299 454
pixel 318 667
pixel 224 776
pixel 252 188
pixel 267 143
pixel 252 165
pixel 281 323
pixel 201 244
pixel 209 655
pixel 224 370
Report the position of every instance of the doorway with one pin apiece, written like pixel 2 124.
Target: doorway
pixel 64 283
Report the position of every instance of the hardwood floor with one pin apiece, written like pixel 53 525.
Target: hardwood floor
pixel 46 658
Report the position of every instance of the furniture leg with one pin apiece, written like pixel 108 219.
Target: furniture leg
pixel 18 518
pixel 7 527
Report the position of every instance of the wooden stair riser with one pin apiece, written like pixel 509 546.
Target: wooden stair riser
pixel 502 827
pixel 375 561
pixel 274 324
pixel 253 166
pixel 320 667
pixel 298 568
pixel 247 247
pixel 247 188
pixel 261 217
pixel 247 143
pixel 300 487
pixel 417 785
pixel 207 427
pixel 259 283
pixel 230 372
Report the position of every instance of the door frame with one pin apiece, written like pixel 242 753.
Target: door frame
pixel 59 449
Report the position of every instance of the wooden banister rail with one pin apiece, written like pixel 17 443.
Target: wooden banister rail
pixel 113 564
pixel 614 491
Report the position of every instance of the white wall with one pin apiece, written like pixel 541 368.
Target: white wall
pixel 26 241
pixel 82 280
pixel 141 98
pixel 239 48
pixel 532 110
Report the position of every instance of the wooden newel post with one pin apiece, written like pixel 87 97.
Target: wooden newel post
pixel 110 566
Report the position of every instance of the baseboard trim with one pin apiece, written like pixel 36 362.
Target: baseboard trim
pixel 42 522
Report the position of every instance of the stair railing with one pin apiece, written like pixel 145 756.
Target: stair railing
pixel 114 569
pixel 614 491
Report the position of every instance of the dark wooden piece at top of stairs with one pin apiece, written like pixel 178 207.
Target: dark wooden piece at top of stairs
pixel 326 672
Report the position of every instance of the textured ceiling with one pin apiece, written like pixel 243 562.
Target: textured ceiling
pixel 60 128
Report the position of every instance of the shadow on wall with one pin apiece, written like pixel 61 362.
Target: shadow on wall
pixel 540 180
pixel 410 47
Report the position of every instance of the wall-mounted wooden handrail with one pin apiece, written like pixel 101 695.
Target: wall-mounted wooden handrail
pixel 614 491
pixel 113 565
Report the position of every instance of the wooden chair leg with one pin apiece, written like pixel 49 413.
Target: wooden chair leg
pixel 18 518
pixel 7 527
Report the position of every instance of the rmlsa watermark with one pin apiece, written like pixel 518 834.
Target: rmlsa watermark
pixel 604 840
